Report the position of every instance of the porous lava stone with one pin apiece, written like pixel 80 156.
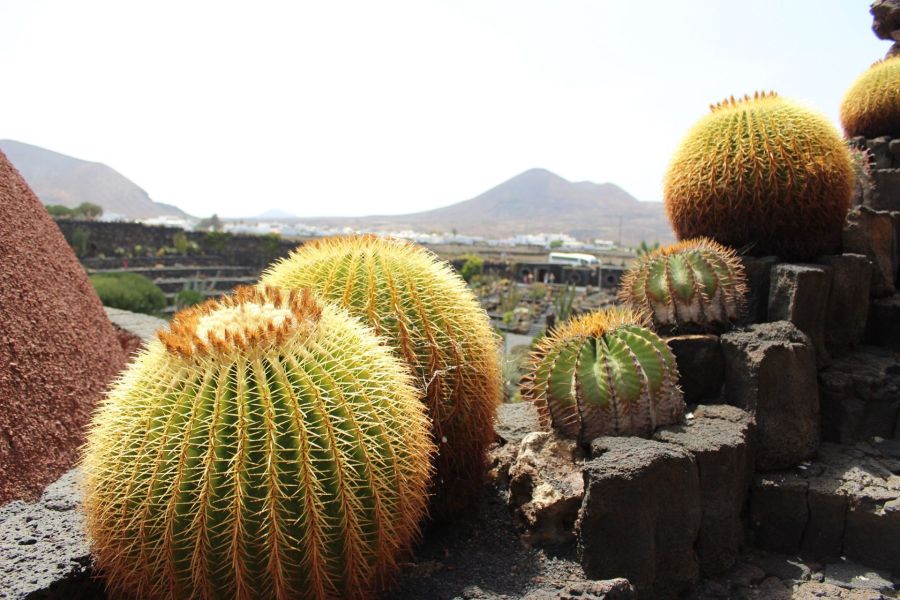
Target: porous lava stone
pixel 58 349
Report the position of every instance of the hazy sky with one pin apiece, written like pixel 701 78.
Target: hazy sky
pixel 391 106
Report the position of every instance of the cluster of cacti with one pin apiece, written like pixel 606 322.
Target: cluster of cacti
pixel 694 285
pixel 871 107
pixel 434 322
pixel 604 373
pixel 265 446
pixel 763 175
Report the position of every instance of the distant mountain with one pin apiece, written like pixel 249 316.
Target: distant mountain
pixel 60 179
pixel 536 201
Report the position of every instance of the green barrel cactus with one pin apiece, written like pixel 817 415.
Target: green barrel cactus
pixel 871 107
pixel 265 446
pixel 604 373
pixel 764 175
pixel 690 286
pixel 434 322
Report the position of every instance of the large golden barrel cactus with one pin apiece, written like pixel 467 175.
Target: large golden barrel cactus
pixel 266 446
pixel 763 175
pixel 693 285
pixel 604 373
pixel 434 322
pixel 871 107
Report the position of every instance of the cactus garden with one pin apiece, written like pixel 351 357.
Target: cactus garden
pixel 709 415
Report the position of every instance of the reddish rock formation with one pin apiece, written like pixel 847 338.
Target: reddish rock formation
pixel 58 349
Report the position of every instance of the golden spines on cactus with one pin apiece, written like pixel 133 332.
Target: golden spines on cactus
pixel 434 322
pixel 604 373
pixel 266 446
pixel 871 107
pixel 761 174
pixel 694 285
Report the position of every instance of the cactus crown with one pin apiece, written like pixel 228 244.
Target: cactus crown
pixel 250 318
pixel 604 373
pixel 434 322
pixel 871 107
pixel 730 102
pixel 266 446
pixel 762 173
pixel 693 285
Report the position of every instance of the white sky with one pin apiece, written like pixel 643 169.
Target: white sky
pixel 349 108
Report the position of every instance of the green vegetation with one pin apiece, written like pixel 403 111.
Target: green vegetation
pixel 472 268
pixel 129 291
pixel 215 241
pixel 645 248
pixel 81 240
pixel 85 210
pixel 212 223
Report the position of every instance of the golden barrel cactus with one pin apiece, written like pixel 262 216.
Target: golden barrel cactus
pixel 434 322
pixel 266 446
pixel 689 286
pixel 871 107
pixel 604 373
pixel 763 175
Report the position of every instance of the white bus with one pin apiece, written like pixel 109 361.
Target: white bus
pixel 573 258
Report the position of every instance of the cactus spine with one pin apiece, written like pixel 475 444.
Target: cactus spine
pixel 694 285
pixel 265 446
pixel 764 174
pixel 434 322
pixel 604 373
pixel 871 107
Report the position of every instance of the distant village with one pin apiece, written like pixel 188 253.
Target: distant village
pixel 293 229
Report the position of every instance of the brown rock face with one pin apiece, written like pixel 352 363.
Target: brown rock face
pixel 58 350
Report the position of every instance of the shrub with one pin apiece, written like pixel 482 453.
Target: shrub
pixel 472 268
pixel 129 291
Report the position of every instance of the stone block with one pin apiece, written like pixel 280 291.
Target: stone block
pixel 887 189
pixel 778 512
pixel 860 396
pixel 758 280
pixel 700 365
pixel 770 371
pixel 799 294
pixel 43 547
pixel 883 324
pixel 846 504
pixel 641 515
pixel 879 149
pixel 720 439
pixel 848 301
pixel 546 488
pixel 872 234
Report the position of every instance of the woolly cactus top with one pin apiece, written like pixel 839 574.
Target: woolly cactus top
pixel 251 319
pixel 871 107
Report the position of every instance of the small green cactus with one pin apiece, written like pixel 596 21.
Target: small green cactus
pixel 694 285
pixel 265 446
pixel 604 373
pixel 433 321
